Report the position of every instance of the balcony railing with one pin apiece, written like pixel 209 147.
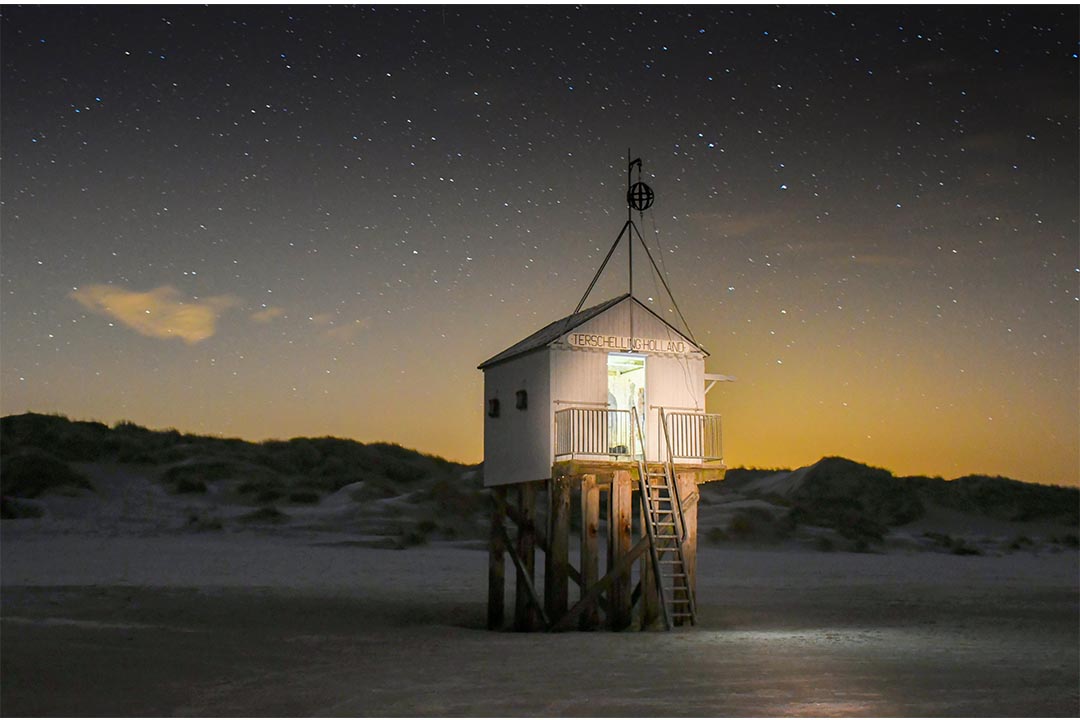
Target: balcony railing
pixel 605 432
pixel 593 431
pixel 694 436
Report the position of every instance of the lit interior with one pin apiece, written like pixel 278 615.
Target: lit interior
pixel 626 382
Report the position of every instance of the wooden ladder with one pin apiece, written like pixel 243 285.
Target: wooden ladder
pixel 666 529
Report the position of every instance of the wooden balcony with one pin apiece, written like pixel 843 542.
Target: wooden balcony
pixel 601 440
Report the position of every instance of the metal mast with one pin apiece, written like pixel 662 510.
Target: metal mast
pixel 639 196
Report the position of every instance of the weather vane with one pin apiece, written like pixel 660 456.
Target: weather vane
pixel 639 196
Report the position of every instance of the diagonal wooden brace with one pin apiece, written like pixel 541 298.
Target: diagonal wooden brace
pixel 622 567
pixel 533 597
pixel 541 539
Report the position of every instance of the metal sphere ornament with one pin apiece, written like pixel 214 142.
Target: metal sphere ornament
pixel 640 196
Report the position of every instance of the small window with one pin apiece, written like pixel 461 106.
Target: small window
pixel 522 400
pixel 493 407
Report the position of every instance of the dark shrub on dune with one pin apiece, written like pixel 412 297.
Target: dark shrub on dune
pixel 305 497
pixel 194 478
pixel 55 434
pixel 16 509
pixel 294 456
pixel 266 515
pixel 1006 499
pixel 35 473
pixel 754 524
pixel 858 501
pixel 298 471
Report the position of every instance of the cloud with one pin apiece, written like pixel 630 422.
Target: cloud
pixel 158 313
pixel 268 314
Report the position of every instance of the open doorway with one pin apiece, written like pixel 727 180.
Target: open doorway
pixel 626 390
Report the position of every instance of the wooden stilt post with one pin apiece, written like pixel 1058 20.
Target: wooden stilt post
pixel 497 560
pixel 689 495
pixel 618 546
pixel 590 560
pixel 620 569
pixel 525 615
pixel 650 605
pixel 556 562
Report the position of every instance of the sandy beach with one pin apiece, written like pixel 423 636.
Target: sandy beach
pixel 255 624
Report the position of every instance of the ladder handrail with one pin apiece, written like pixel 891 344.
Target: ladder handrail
pixel 669 467
pixel 643 483
pixel 652 495
pixel 669 470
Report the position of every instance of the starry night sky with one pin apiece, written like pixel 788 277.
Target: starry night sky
pixel 269 222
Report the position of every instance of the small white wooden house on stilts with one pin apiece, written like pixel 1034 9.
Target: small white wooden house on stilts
pixel 606 404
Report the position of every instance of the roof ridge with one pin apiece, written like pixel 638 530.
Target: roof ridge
pixel 548 333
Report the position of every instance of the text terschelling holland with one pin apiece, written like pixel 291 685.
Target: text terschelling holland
pixel 626 344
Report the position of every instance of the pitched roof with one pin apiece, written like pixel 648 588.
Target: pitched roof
pixel 552 332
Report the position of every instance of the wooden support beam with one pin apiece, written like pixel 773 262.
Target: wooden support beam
pixel 538 533
pixel 530 596
pixel 622 568
pixel 619 528
pixel 650 603
pixel 525 612
pixel 590 559
pixel 497 561
pixel 540 541
pixel 557 558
